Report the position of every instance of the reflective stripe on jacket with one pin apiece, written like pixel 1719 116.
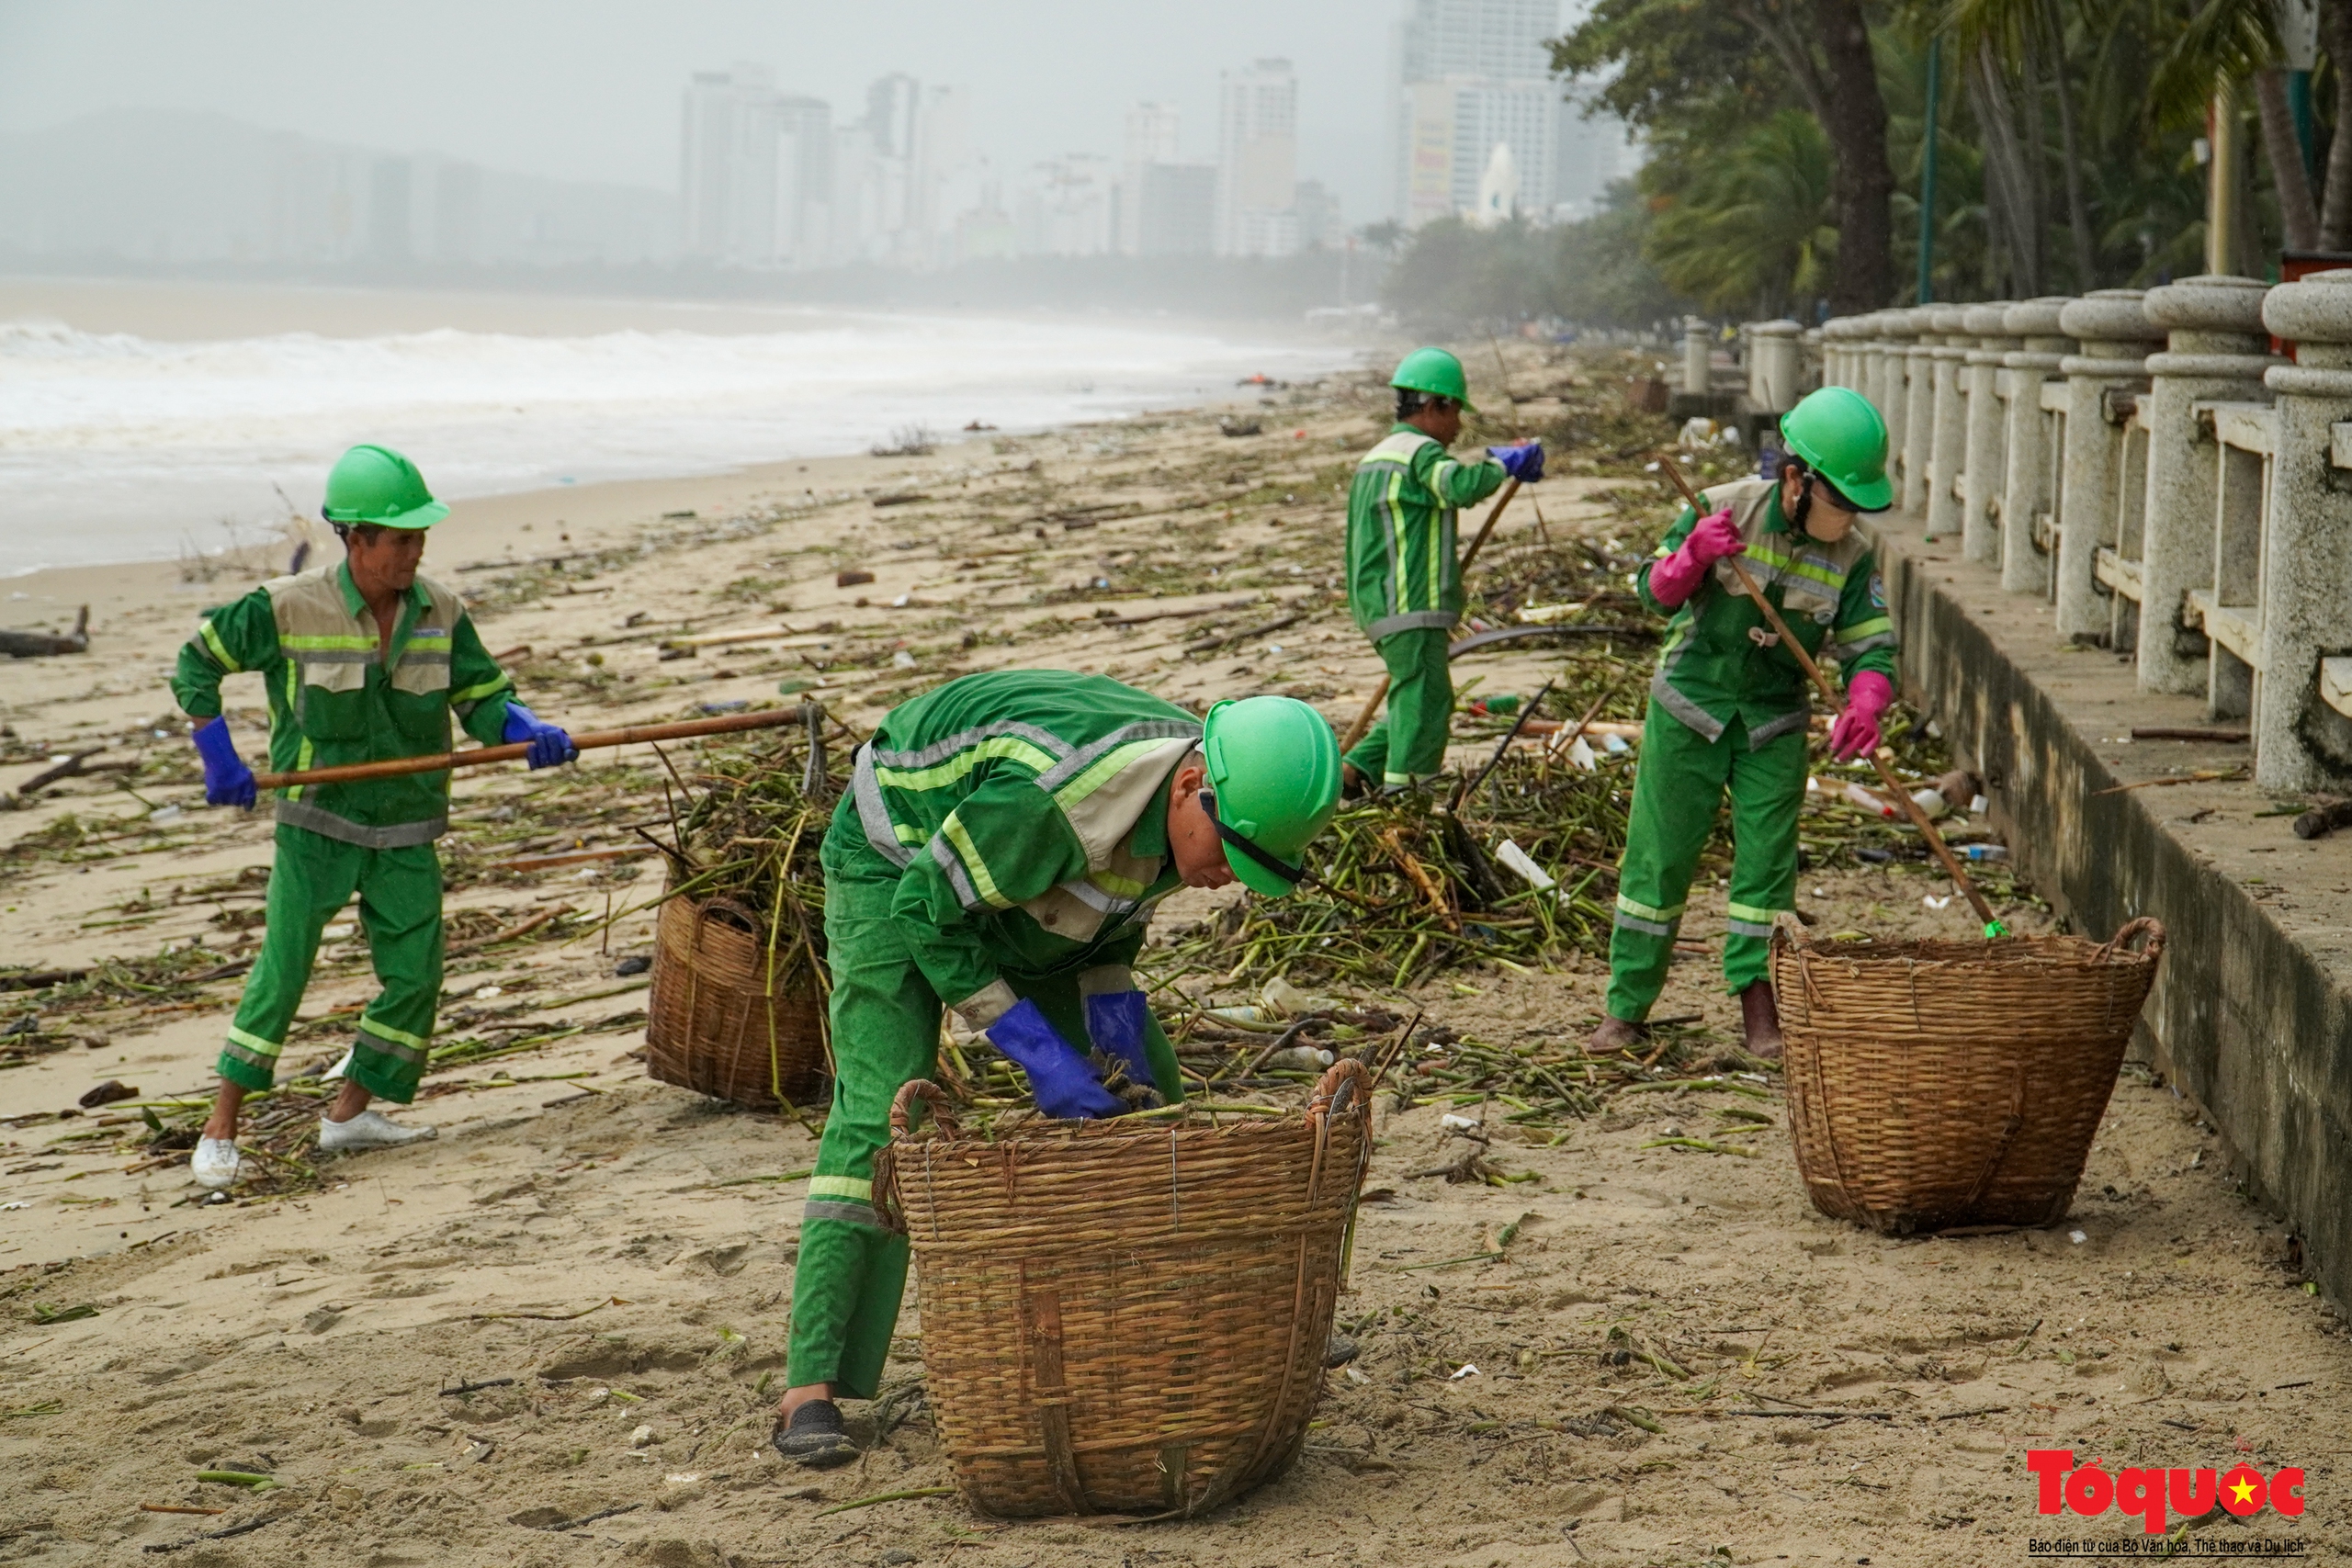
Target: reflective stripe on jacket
pixel 335 699
pixel 1831 596
pixel 1402 512
pixel 1026 810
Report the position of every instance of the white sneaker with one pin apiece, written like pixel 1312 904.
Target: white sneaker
pixel 368 1130
pixel 214 1163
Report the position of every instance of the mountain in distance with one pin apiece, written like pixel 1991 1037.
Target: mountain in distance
pixel 177 188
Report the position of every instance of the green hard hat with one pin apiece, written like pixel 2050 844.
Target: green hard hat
pixel 376 484
pixel 1841 437
pixel 1433 370
pixel 1274 782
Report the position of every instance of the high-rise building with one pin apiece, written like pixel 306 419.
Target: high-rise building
pixel 804 181
pixel 1472 75
pixel 1178 209
pixel 1067 208
pixel 389 211
pixel 1320 224
pixel 1258 161
pixel 727 180
pixel 1152 137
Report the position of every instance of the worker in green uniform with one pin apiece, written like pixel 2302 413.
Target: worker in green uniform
pixel 363 661
pixel 1001 846
pixel 1404 580
pixel 1729 708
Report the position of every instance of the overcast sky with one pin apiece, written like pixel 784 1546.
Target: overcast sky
pixel 585 90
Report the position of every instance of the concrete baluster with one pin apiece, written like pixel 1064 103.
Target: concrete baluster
pixel 1895 335
pixel 1698 345
pixel 2115 338
pixel 1841 349
pixel 1983 464
pixel 1918 405
pixel 1813 361
pixel 2216 352
pixel 2301 742
pixel 1947 446
pixel 1775 360
pixel 2025 480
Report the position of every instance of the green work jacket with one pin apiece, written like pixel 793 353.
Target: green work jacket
pixel 1027 812
pixel 1832 597
pixel 1402 570
pixel 335 699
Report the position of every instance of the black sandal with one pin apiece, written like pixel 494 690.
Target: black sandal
pixel 814 1438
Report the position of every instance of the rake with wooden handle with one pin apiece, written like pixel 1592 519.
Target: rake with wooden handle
pixel 1883 759
pixel 440 761
pixel 1371 708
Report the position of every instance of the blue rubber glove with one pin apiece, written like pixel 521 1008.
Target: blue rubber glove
pixel 1524 463
pixel 1116 1022
pixel 227 780
pixel 549 744
pixel 1066 1087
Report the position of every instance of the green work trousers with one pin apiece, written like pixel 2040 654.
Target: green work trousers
pixel 1409 745
pixel 399 908
pixel 851 1273
pixel 1681 781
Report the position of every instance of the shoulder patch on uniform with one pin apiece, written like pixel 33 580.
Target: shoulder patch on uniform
pixel 1878 591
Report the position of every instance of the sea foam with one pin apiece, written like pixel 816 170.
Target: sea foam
pixel 117 447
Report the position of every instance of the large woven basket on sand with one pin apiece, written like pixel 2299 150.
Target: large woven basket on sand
pixel 1130 1316
pixel 719 1020
pixel 1939 1084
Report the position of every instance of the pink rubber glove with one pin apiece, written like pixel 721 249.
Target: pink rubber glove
pixel 1855 732
pixel 1676 577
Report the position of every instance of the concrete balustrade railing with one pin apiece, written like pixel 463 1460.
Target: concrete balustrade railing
pixel 1918 406
pixel 1984 451
pixel 2302 570
pixel 2034 430
pixel 2144 463
pixel 1948 440
pixel 2216 352
pixel 2102 380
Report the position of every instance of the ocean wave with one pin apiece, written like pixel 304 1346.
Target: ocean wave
pixel 110 444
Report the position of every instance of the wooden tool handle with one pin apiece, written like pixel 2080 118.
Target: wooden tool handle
pixel 1371 709
pixel 1883 758
pixel 440 761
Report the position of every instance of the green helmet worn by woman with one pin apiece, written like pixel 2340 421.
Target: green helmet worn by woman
pixel 377 485
pixel 1274 782
pixel 1841 437
pixel 1435 371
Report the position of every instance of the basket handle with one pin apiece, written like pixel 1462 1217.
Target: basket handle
pixel 903 1112
pixel 2146 926
pixel 1344 1083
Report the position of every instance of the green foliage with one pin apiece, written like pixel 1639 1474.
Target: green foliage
pixel 1669 66
pixel 1737 183
pixel 1451 276
pixel 1749 229
pixel 1606 278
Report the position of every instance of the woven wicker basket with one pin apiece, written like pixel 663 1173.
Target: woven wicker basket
pixel 1128 1317
pixel 1939 1084
pixel 716 1022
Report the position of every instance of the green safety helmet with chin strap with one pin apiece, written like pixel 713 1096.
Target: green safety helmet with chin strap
pixel 377 485
pixel 1274 782
pixel 1841 437
pixel 1435 371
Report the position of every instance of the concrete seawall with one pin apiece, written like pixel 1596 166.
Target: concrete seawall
pixel 2252 1013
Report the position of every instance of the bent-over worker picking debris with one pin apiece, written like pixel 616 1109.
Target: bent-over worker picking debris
pixel 1730 708
pixel 363 661
pixel 1004 840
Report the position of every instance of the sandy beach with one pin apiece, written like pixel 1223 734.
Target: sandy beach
pixel 610 1258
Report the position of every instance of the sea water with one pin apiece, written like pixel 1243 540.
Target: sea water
pixel 117 447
